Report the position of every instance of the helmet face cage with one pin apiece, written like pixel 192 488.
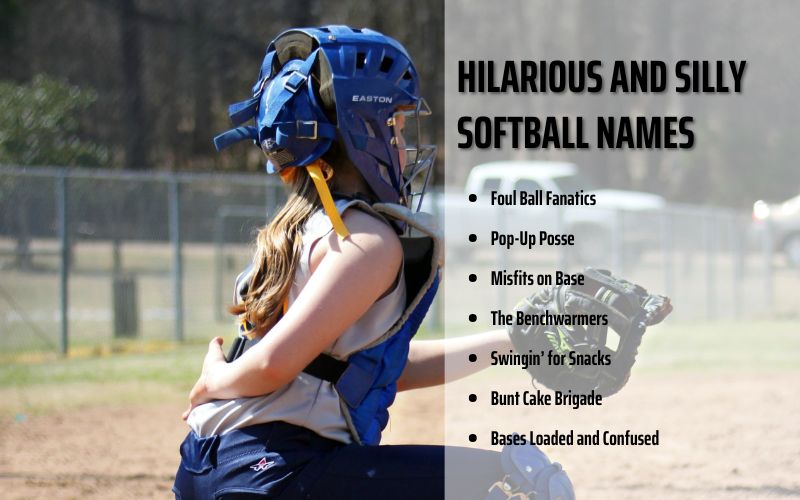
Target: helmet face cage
pixel 373 79
pixel 420 158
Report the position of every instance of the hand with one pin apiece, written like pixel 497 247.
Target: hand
pixel 200 393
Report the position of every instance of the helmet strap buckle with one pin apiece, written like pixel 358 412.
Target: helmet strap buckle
pixel 306 129
pixel 294 81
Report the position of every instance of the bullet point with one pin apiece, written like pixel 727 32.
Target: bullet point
pixel 473 358
pixel 473 438
pixel 473 198
pixel 473 278
pixel 473 318
pixel 473 238
pixel 473 398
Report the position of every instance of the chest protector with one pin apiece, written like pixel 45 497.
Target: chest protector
pixel 366 381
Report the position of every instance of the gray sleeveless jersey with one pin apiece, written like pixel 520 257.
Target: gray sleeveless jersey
pixel 306 401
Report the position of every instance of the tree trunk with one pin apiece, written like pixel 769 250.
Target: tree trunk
pixel 133 96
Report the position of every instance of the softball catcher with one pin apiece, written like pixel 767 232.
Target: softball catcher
pixel 340 281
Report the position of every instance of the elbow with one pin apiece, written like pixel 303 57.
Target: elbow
pixel 407 380
pixel 402 384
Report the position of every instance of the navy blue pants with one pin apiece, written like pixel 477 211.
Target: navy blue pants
pixel 279 460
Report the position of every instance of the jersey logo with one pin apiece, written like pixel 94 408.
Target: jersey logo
pixel 262 465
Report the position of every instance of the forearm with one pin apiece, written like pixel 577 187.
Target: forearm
pixel 434 362
pixel 430 363
pixel 250 375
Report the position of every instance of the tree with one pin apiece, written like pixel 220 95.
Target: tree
pixel 40 125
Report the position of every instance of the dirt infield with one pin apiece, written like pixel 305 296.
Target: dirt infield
pixel 132 451
pixel 722 437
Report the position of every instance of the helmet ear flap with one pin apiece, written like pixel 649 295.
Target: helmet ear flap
pixel 292 45
pixel 325 90
pixel 292 127
pixel 300 45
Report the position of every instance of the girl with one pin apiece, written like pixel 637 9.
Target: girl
pixel 339 283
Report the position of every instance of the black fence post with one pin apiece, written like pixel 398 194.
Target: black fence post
pixel 177 257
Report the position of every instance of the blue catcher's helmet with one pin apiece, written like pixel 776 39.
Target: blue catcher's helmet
pixel 336 83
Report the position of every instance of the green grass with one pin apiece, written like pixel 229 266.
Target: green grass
pixel 50 383
pixel 176 366
pixel 113 373
pixel 751 346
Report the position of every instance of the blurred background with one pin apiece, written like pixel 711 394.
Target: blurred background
pixel 145 85
pixel 745 145
pixel 714 227
pixel 119 219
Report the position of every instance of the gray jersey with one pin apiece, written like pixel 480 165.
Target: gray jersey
pixel 306 401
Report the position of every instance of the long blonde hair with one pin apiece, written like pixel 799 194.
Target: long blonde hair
pixel 278 248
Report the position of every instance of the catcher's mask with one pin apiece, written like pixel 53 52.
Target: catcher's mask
pixel 336 83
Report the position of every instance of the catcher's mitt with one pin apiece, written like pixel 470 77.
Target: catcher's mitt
pixel 570 323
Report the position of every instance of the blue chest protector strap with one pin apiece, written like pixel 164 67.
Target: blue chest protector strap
pixel 326 368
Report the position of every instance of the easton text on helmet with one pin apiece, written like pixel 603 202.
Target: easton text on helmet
pixel 373 98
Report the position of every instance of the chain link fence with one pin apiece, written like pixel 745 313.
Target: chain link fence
pixel 88 256
pixel 716 264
